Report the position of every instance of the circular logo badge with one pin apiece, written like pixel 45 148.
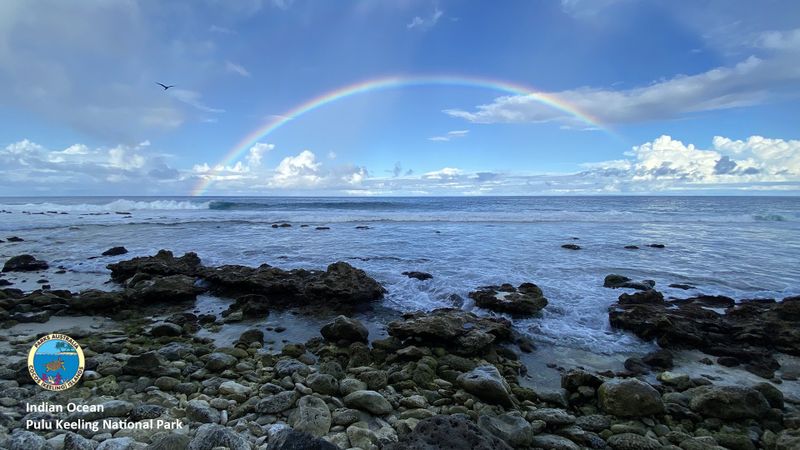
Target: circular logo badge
pixel 56 362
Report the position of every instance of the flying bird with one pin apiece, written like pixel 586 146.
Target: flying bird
pixel 165 86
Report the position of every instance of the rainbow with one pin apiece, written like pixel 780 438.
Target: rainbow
pixel 391 82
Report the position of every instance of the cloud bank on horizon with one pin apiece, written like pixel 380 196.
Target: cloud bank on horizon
pixel 704 97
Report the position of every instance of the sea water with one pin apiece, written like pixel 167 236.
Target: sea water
pixel 743 247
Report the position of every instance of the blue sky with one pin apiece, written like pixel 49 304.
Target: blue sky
pixel 700 97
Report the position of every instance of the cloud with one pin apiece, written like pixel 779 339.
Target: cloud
pixel 666 163
pixel 257 152
pixel 447 173
pixel 74 76
pixel 80 169
pixel 221 30
pixel 780 40
pixel 426 22
pixel 282 4
pixel 449 135
pixel 752 81
pixel 193 99
pixel 236 68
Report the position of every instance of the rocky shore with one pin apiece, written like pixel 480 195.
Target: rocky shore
pixel 444 379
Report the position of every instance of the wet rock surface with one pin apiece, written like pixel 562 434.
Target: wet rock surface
pixel 443 379
pixel 527 299
pixel 750 330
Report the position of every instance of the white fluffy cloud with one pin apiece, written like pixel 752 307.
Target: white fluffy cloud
pixel 666 163
pixel 26 166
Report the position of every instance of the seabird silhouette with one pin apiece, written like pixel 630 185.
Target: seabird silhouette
pixel 165 86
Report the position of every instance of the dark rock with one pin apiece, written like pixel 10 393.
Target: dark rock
pixel 618 281
pixel 636 366
pixel 252 335
pixel 643 297
pixel 632 247
pixel 24 263
pixel 15 239
pixel 571 246
pixel 486 383
pixel 728 402
pixel 281 225
pixel 170 288
pixel 459 331
pixel 143 412
pixel 629 398
pixel 773 395
pixel 576 378
pixel 164 263
pixel 341 283
pixel 166 329
pixel 685 287
pixel 322 228
pixel 5 283
pixel 451 432
pixel 526 299
pixel 170 441
pixel 209 436
pixel 94 300
pixel 25 440
pixel 115 251
pixel 728 361
pixel 513 429
pixel 660 359
pixel 657 245
pixel 418 275
pixel 345 329
pixel 747 331
pixel 290 439
pixel 145 364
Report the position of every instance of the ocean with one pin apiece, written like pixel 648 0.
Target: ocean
pixel 742 247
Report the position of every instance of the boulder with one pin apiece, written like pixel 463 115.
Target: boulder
pixel 526 299
pixel 371 401
pixel 209 436
pixel 513 429
pixel 164 263
pixel 448 432
pixel 218 361
pixel 341 284
pixel 553 442
pixel 288 439
pixel 115 251
pixel 166 329
pixel 629 398
pixel 311 416
pixel 277 403
pixel 633 441
pixel 422 276
pixel 459 331
pixel 571 246
pixel 163 289
pixel 169 441
pixel 486 383
pixel 619 281
pixel 345 329
pixel 24 263
pixel 728 402
pixel 750 330
pixel 26 440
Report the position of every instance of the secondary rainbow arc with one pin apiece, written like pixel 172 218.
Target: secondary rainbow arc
pixel 391 82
